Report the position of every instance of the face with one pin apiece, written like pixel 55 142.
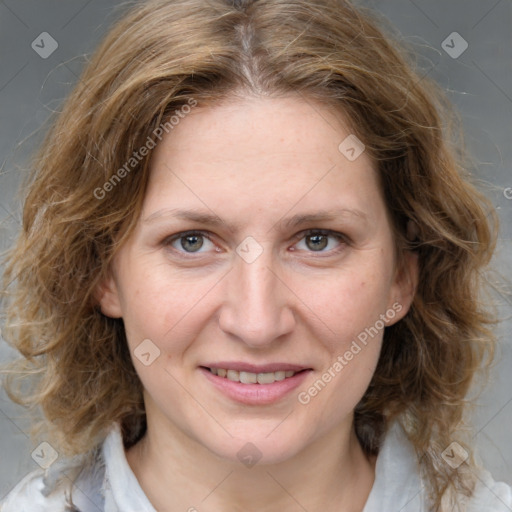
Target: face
pixel 263 254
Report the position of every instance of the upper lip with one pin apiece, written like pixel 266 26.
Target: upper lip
pixel 256 368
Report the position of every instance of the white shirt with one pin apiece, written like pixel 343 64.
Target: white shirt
pixel 113 487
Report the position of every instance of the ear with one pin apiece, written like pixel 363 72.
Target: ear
pixel 107 296
pixel 405 285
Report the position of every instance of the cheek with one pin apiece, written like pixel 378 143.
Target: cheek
pixel 351 309
pixel 163 306
pixel 348 304
pixel 352 347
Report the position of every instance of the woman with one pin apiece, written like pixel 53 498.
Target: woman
pixel 248 273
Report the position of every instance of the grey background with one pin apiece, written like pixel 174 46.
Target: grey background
pixel 479 82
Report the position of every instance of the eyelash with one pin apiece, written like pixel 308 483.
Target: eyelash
pixel 340 237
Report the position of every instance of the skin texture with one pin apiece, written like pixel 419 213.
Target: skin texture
pixel 254 163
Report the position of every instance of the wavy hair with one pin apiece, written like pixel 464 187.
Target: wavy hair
pixel 160 56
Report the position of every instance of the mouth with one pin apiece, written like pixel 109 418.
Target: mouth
pixel 254 384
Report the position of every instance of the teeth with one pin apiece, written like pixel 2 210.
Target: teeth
pixel 266 378
pixel 233 375
pixel 248 378
pixel 252 378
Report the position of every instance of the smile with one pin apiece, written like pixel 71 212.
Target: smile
pixel 253 378
pixel 254 384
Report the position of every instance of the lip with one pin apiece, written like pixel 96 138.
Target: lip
pixel 256 394
pixel 256 368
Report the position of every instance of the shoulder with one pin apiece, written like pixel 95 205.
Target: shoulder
pixel 399 483
pixel 489 495
pixel 72 485
pixel 98 480
pixel 30 495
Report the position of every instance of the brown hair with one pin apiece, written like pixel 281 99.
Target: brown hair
pixel 157 58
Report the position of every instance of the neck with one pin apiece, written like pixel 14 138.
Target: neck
pixel 177 473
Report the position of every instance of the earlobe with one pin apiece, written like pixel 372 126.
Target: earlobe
pixel 107 296
pixel 406 282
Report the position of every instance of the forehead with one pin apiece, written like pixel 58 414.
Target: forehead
pixel 258 126
pixel 263 153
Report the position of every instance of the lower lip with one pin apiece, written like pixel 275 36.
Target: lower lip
pixel 256 394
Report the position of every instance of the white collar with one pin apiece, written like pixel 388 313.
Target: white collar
pixel 397 485
pixel 121 487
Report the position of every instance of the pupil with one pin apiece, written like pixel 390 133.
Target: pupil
pixel 192 243
pixel 316 242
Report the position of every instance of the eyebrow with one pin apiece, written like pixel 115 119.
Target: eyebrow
pixel 210 219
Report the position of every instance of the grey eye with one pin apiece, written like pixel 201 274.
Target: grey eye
pixel 321 241
pixel 191 243
pixel 317 242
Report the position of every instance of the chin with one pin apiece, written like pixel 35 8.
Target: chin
pixel 255 446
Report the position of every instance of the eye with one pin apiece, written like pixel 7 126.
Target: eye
pixel 191 242
pixel 314 240
pixel 321 241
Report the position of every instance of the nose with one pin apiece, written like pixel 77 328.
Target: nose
pixel 258 308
